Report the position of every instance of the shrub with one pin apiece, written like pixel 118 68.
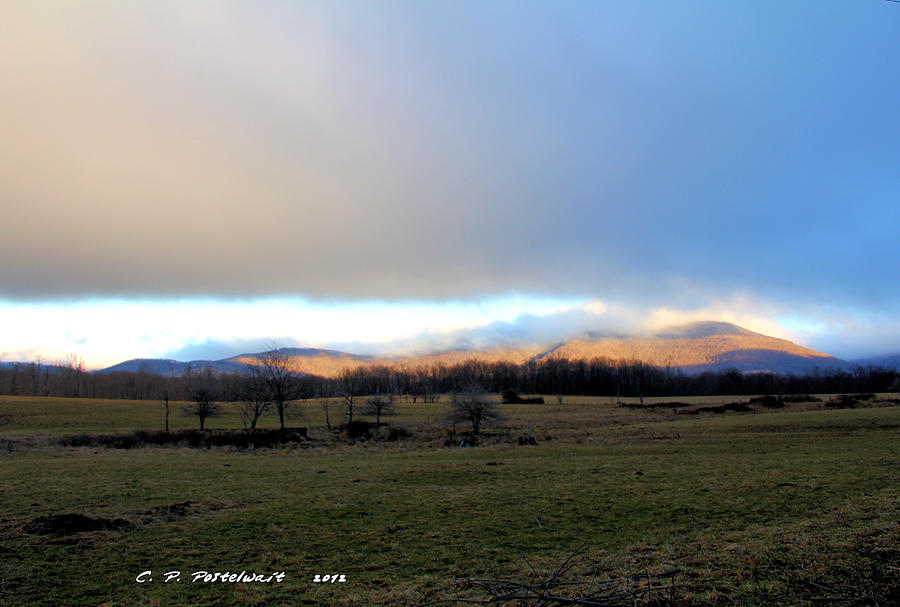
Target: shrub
pixel 188 438
pixel 770 402
pixel 844 401
pixel 358 429
pixel 473 407
pixel 395 433
pixel 511 398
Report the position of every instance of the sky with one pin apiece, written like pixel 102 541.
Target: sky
pixel 180 179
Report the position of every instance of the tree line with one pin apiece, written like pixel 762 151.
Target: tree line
pixel 597 377
pixel 600 377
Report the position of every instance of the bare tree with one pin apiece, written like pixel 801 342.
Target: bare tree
pixel 254 397
pixel 204 397
pixel 349 405
pixel 164 396
pixel 379 406
pixel 284 383
pixel 36 377
pixel 474 407
pixel 351 385
pixel 203 407
pixel 326 408
pixel 165 393
pixel 5 418
pixel 74 383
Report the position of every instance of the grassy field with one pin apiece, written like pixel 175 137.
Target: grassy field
pixel 759 508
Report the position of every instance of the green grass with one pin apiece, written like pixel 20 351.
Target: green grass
pixel 752 509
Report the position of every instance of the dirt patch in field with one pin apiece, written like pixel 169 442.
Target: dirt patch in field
pixel 172 512
pixel 67 524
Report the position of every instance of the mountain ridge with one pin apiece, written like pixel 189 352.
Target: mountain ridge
pixel 694 347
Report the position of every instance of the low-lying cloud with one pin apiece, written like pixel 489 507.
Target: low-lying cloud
pixel 594 317
pixel 104 332
pixel 846 337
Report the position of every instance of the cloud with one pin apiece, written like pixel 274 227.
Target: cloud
pixel 110 331
pixel 433 152
pixel 523 330
pixel 597 317
pixel 107 331
pixel 849 336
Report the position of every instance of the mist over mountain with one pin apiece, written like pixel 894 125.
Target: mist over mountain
pixel 694 348
pixel 887 361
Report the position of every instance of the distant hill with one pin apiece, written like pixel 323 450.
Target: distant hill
pixel 23 367
pixel 330 363
pixel 695 347
pixel 174 368
pixel 312 361
pixel 704 346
